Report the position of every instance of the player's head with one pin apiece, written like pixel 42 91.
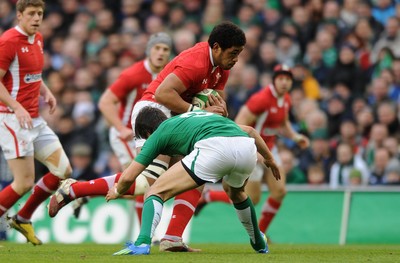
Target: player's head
pixel 158 50
pixel 282 78
pixel 147 121
pixel 30 15
pixel 23 4
pixel 226 40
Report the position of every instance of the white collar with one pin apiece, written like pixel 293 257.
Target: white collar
pixel 31 39
pixel 211 59
pixel 148 68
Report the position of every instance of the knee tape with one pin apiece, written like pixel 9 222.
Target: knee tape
pixel 155 169
pixel 55 159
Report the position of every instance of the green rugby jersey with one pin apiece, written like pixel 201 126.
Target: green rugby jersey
pixel 178 135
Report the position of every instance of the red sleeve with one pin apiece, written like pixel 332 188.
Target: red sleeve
pixel 7 54
pixel 258 102
pixel 123 85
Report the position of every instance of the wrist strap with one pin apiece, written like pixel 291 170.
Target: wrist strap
pixel 116 192
pixel 193 108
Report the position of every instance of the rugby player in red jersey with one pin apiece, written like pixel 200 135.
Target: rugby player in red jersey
pixel 204 66
pixel 24 134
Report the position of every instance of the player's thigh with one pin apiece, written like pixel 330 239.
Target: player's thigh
pixel 174 181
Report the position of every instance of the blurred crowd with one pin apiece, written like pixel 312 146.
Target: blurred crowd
pixel 345 57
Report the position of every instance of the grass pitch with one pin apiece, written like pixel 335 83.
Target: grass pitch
pixel 88 253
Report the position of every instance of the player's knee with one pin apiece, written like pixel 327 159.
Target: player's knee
pixel 142 185
pixel 63 170
pixel 279 192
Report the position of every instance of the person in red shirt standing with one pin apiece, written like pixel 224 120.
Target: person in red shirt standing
pixel 24 134
pixel 268 111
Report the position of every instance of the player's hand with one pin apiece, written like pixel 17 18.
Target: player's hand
pixel 215 109
pixel 270 163
pixel 51 101
pixel 126 134
pixel 302 141
pixel 112 193
pixel 23 117
pixel 217 101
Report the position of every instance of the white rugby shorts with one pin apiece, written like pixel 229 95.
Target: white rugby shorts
pixel 229 158
pixel 16 142
pixel 124 150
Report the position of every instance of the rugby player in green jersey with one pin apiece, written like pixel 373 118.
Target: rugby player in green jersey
pixel 214 148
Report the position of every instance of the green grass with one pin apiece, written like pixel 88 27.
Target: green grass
pixel 60 253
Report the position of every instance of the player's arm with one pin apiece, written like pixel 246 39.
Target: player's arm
pixel 21 113
pixel 288 131
pixel 48 97
pixel 108 105
pixel 245 116
pixel 126 180
pixel 168 94
pixel 263 150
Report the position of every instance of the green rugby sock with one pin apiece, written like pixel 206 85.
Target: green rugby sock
pixel 151 216
pixel 247 216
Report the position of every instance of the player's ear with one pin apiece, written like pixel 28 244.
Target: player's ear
pixel 216 46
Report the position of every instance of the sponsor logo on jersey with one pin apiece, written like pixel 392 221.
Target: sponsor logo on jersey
pixel 274 110
pixel 204 81
pixel 30 78
pixel 24 49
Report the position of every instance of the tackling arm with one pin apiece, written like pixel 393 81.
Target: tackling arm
pixel 263 150
pixel 168 94
pixel 126 180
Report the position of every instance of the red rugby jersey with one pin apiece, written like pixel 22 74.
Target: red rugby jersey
pixel 130 86
pixel 21 56
pixel 271 111
pixel 194 68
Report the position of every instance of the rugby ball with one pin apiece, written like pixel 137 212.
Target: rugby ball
pixel 200 99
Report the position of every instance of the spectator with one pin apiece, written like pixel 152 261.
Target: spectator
pixel 294 175
pixel 346 162
pixel 384 169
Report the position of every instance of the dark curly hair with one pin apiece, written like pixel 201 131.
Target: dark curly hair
pixel 147 121
pixel 227 35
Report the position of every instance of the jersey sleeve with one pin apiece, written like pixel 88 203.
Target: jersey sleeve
pixel 188 72
pixel 123 85
pixel 151 149
pixel 257 103
pixel 7 54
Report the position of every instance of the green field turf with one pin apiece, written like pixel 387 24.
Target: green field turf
pixel 88 253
